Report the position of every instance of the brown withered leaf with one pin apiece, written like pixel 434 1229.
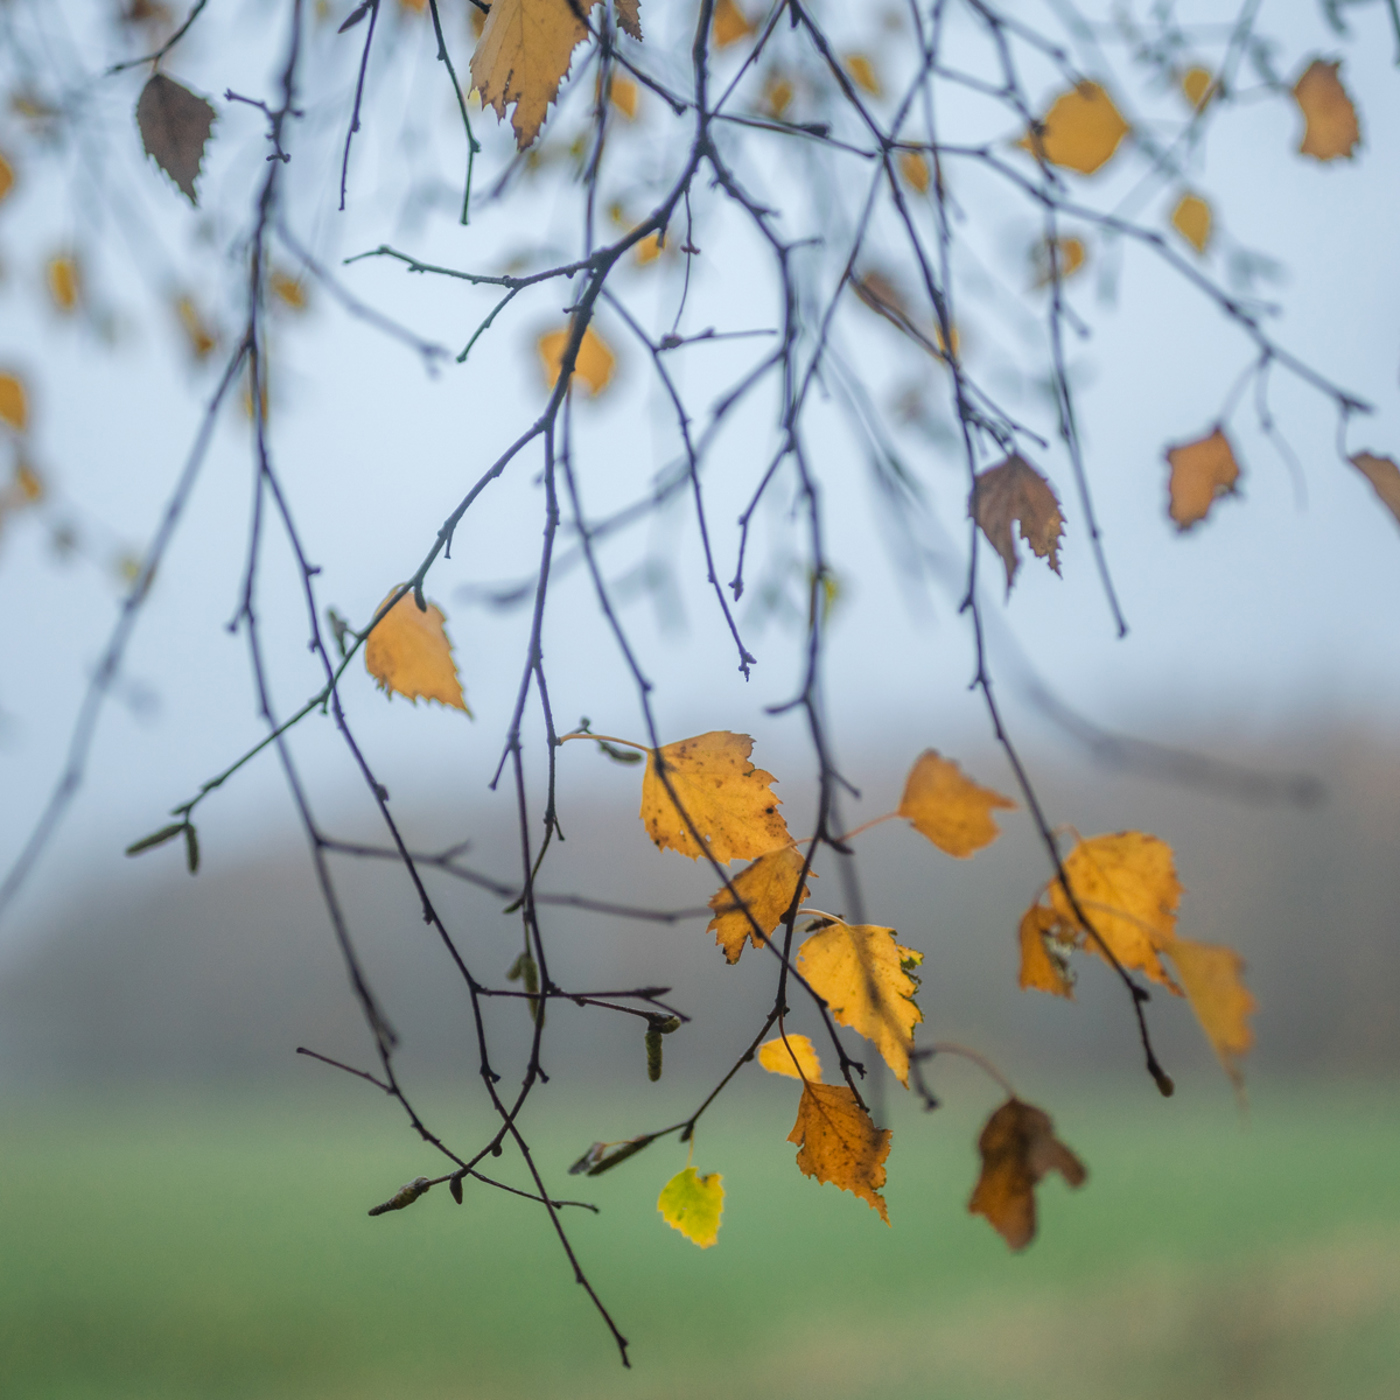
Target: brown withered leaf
pixel 629 18
pixel 766 887
pixel 1331 129
pixel 1201 473
pixel 947 807
pixel 1014 493
pixel 1018 1147
pixel 174 125
pixel 839 1144
pixel 7 176
pixel 1384 477
pixel 409 654
pixel 1213 979
pixel 730 801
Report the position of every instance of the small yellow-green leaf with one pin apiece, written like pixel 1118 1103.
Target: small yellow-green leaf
pixel 693 1204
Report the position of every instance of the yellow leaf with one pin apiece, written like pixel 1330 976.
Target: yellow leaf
pixel 7 176
pixel 1044 953
pixel 862 70
pixel 1331 128
pixel 202 340
pixel 1014 493
pixel 648 249
pixel 14 402
pixel 1197 84
pixel 729 24
pixel 693 1204
pixel 728 800
pixel 1081 131
pixel 864 977
pixel 948 807
pixel 593 364
pixel 1018 1147
pixel 65 283
pixel 289 290
pixel 1127 887
pixel 792 1055
pixel 625 95
pixel 914 168
pixel 766 887
pixel 522 57
pixel 409 654
pixel 1070 254
pixel 1384 477
pixel 839 1144
pixel 1201 472
pixel 29 485
pixel 777 95
pixel 1212 977
pixel 416 7
pixel 1192 220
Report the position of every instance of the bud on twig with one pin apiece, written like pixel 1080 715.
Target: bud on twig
pixel 404 1196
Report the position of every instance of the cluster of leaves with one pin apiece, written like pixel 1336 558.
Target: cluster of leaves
pixel 857 100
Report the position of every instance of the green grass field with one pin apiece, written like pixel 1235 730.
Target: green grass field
pixel 181 1247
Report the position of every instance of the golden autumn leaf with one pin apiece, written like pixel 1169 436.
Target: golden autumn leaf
pixel 778 93
pixel 175 125
pixel 522 57
pixel 861 68
pixel 14 402
pixel 201 338
pixel 792 1055
pixel 1201 472
pixel 624 94
pixel 1197 85
pixel 64 282
pixel 29 485
pixel 946 806
pixel 915 170
pixel 729 25
pixel 766 887
pixel 1045 952
pixel 594 363
pixel 1070 255
pixel 729 801
pixel 1384 476
pixel 1081 131
pixel 865 978
pixel 289 290
pixel 1018 1147
pixel 648 249
pixel 1014 493
pixel 409 654
pixel 1126 885
pixel 1192 220
pixel 7 176
pixel 1331 129
pixel 839 1144
pixel 693 1204
pixel 1212 978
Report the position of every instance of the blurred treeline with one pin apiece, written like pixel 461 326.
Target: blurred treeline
pixel 220 977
